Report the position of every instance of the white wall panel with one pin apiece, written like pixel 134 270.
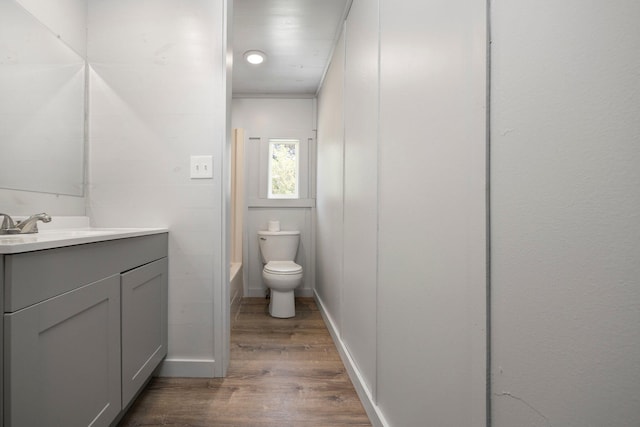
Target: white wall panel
pixel 429 316
pixel 273 115
pixel 157 97
pixel 264 118
pixel 361 188
pixel 565 201
pixel 330 204
pixel 431 306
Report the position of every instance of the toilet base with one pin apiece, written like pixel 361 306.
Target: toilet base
pixel 282 304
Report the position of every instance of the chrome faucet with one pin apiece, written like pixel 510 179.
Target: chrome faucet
pixel 8 226
pixel 30 225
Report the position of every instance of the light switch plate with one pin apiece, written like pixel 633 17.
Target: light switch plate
pixel 201 167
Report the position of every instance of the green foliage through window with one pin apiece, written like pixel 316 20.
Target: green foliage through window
pixel 283 168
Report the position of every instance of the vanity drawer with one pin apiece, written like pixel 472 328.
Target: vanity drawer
pixel 32 277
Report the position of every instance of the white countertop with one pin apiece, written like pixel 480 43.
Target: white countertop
pixel 56 238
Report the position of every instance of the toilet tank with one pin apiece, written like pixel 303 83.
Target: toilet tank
pixel 278 245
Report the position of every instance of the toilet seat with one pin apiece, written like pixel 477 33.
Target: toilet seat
pixel 284 268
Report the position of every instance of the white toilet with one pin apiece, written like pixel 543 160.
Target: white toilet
pixel 281 274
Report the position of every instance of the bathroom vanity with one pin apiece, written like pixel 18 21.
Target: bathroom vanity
pixel 84 324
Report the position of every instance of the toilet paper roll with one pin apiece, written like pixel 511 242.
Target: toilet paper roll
pixel 274 225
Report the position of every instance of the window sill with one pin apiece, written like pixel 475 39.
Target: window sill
pixel 281 203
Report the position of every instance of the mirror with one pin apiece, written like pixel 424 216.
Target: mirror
pixel 42 95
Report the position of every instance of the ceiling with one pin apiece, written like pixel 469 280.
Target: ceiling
pixel 297 36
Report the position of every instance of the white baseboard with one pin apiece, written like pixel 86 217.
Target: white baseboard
pixel 260 293
pixel 373 410
pixel 187 368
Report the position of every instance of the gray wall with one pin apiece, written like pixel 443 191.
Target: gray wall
pixel 565 179
pixel 401 208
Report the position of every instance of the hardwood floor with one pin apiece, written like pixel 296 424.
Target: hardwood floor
pixel 283 372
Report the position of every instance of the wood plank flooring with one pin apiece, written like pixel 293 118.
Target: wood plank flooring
pixel 283 372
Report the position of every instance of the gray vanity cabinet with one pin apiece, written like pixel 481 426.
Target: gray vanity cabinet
pixel 144 325
pixel 62 355
pixel 84 328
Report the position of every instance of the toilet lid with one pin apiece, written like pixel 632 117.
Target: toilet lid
pixel 282 267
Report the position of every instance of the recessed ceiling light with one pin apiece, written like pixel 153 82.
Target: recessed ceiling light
pixel 255 57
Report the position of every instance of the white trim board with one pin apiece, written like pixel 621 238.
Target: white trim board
pixel 373 411
pixel 187 368
pixel 260 293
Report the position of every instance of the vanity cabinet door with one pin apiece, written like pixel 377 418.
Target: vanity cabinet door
pixel 144 325
pixel 62 359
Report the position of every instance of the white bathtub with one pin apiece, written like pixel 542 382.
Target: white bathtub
pixel 236 288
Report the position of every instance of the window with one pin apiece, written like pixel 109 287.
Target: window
pixel 284 166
